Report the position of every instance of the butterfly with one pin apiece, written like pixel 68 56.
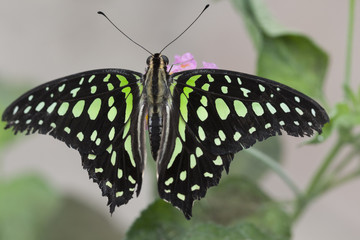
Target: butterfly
pixel 196 119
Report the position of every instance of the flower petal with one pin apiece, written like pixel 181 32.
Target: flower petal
pixel 209 65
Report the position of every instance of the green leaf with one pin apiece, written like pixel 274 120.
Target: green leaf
pixel 245 164
pixel 159 221
pixel 295 61
pixel 258 21
pixel 26 205
pixel 211 231
pixel 284 56
pixel 162 221
pixel 272 219
pixel 243 198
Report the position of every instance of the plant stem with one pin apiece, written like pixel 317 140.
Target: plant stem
pixel 349 47
pixel 350 156
pixel 271 163
pixel 310 193
pixel 320 172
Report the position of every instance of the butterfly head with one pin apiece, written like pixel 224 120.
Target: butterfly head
pixel 157 61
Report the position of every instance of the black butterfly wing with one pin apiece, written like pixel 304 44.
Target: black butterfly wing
pixel 216 113
pixel 95 113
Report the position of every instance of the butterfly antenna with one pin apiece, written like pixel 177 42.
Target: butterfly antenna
pixel 101 13
pixel 186 28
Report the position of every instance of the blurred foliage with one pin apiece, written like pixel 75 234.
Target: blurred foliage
pixel 75 220
pixel 238 208
pixel 26 205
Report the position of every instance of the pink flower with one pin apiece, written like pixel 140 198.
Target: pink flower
pixel 187 62
pixel 209 65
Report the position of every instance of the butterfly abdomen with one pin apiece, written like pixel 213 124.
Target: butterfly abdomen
pixel 155 130
pixel 157 95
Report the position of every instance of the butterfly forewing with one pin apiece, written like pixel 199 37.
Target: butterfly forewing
pixel 94 112
pixel 216 113
pixel 228 109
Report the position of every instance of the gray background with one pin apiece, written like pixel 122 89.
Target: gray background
pixel 41 40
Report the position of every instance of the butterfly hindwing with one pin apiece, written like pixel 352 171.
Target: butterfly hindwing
pixel 185 168
pixel 216 113
pixel 95 113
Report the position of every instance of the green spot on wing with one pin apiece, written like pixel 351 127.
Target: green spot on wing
pixel 27 109
pixel 228 79
pixel 63 108
pixel 80 136
pixel 284 107
pixel 111 101
pixel 112 114
pixel 93 89
pixel 106 79
pixel 40 106
pixel 92 77
pixel 110 87
pixel 131 179
pixel 169 181
pixel 108 184
pixel 94 109
pixel 183 175
pixel 61 88
pixel 202 113
pixel 187 91
pixel 183 107
pixel 271 108
pixel 218 161
pixel 78 108
pixel 67 130
pixel 177 150
pixel 240 108
pixel 171 88
pixel 74 92
pixel 222 108
pixel 195 187
pixel 129 107
pixel 201 133
pixel 119 174
pixel 210 78
pixel 192 161
pixel 258 110
pixel 181 196
pixel 192 80
pixel 112 134
pixel 205 87
pixel 126 128
pixel 204 101
pixel 128 148
pixel 123 80
pixel 182 127
pixel 93 135
pixel 113 158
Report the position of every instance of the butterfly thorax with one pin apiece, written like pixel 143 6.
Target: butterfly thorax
pixel 157 94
